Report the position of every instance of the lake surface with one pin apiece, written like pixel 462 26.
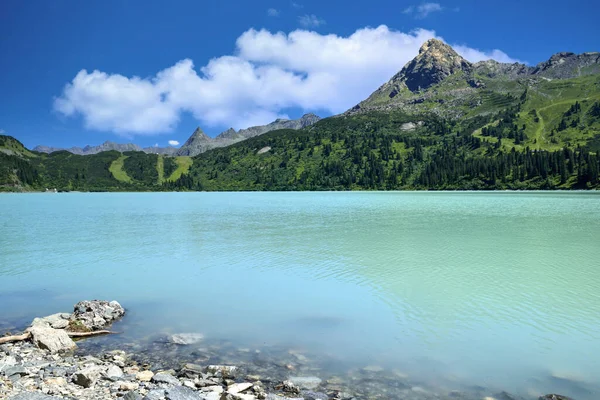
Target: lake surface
pixel 499 290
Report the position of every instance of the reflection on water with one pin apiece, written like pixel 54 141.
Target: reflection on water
pixel 456 289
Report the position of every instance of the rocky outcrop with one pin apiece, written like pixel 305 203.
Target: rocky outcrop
pixel 199 142
pixel 569 65
pixel 97 314
pixel 435 62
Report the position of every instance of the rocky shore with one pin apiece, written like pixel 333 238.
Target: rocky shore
pixel 42 364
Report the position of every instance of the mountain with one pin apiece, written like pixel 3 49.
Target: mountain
pixel 302 122
pixel 165 151
pixel 441 122
pixel 439 81
pixel 199 142
pixel 106 146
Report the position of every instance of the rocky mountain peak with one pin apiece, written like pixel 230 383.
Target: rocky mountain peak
pixel 436 60
pixel 199 135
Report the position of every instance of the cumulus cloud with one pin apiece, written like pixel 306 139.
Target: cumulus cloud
pixel 268 74
pixel 272 12
pixel 297 5
pixel 310 21
pixel 423 10
pixel 173 143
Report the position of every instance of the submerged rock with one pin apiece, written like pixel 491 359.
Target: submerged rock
pixel 305 382
pixel 97 314
pixel 186 338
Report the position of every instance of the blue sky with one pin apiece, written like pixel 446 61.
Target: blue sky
pixel 82 72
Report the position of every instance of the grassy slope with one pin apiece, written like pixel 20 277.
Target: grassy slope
pixel 183 166
pixel 116 169
pixel 160 169
pixel 550 99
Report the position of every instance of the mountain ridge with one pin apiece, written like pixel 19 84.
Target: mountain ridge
pixel 451 125
pixel 441 81
pixel 197 143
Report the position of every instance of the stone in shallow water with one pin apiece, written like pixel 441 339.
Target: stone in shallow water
pixel 97 314
pixel 186 338
pixel 305 382
pixel 227 371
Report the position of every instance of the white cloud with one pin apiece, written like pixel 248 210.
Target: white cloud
pixel 2 132
pixel 423 10
pixel 173 143
pixel 272 12
pixel 310 21
pixel 297 5
pixel 475 55
pixel 269 73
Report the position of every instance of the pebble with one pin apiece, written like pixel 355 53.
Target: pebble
pixel 144 376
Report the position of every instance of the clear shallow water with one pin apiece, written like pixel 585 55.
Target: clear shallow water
pixel 492 289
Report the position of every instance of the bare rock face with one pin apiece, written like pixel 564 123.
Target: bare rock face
pixel 53 340
pixel 436 61
pixel 97 314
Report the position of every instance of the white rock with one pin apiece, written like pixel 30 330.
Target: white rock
pixel 114 372
pixel 238 387
pixel 127 386
pixel 189 384
pixel 54 340
pixel 60 381
pixel 144 376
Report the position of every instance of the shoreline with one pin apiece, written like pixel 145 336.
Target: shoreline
pixel 42 368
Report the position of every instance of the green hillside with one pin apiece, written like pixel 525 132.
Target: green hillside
pixel 441 122
pixel 374 151
pixel 23 170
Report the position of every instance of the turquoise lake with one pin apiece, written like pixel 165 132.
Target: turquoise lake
pixel 497 289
